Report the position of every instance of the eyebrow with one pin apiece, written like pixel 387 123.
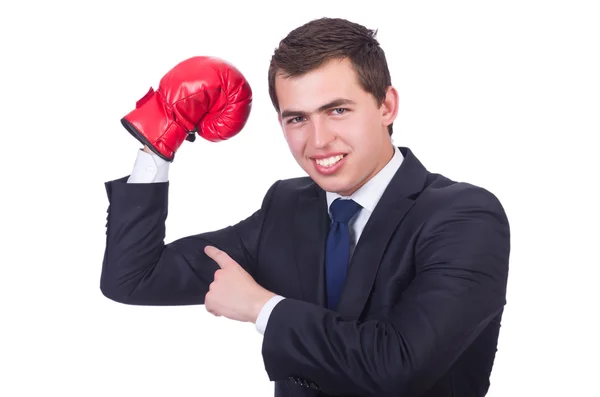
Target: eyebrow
pixel 333 104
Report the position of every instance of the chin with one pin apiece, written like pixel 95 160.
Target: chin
pixel 335 183
pixel 332 184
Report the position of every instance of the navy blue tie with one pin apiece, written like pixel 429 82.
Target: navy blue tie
pixel 338 249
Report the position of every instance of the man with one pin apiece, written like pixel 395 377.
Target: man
pixel 369 277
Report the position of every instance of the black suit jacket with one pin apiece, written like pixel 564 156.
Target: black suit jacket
pixel 421 308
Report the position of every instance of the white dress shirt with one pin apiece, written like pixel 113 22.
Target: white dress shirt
pixel 149 168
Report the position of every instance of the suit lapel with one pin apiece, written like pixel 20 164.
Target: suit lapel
pixel 311 226
pixel 394 204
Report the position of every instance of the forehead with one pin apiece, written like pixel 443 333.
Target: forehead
pixel 335 79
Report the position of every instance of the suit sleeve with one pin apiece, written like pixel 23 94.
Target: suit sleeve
pixel 139 268
pixel 461 259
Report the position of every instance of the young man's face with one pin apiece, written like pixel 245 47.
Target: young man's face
pixel 335 130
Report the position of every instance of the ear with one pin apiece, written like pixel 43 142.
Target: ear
pixel 389 106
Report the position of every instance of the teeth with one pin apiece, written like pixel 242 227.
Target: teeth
pixel 328 162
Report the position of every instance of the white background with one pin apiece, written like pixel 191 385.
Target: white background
pixel 502 94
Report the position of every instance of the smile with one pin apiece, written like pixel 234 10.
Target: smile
pixel 330 165
pixel 330 161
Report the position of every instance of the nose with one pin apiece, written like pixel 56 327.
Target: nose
pixel 321 136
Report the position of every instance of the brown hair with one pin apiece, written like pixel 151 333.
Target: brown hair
pixel 318 41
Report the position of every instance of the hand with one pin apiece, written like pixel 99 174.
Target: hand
pixel 234 293
pixel 203 95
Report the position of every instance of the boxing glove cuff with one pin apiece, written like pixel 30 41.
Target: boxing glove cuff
pixel 153 123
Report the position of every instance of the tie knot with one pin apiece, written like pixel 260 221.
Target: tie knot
pixel 343 210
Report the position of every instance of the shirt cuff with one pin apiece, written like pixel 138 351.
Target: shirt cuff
pixel 265 313
pixel 149 168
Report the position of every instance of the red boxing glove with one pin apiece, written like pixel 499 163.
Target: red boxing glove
pixel 201 94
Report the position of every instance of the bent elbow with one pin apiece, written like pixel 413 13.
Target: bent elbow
pixel 115 293
pixel 117 290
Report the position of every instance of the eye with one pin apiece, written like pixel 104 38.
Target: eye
pixel 295 120
pixel 339 110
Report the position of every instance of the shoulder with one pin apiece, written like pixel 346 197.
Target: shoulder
pixel 294 187
pixel 441 193
pixel 445 204
pixel 289 190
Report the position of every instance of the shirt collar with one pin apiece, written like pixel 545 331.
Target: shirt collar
pixel 368 195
